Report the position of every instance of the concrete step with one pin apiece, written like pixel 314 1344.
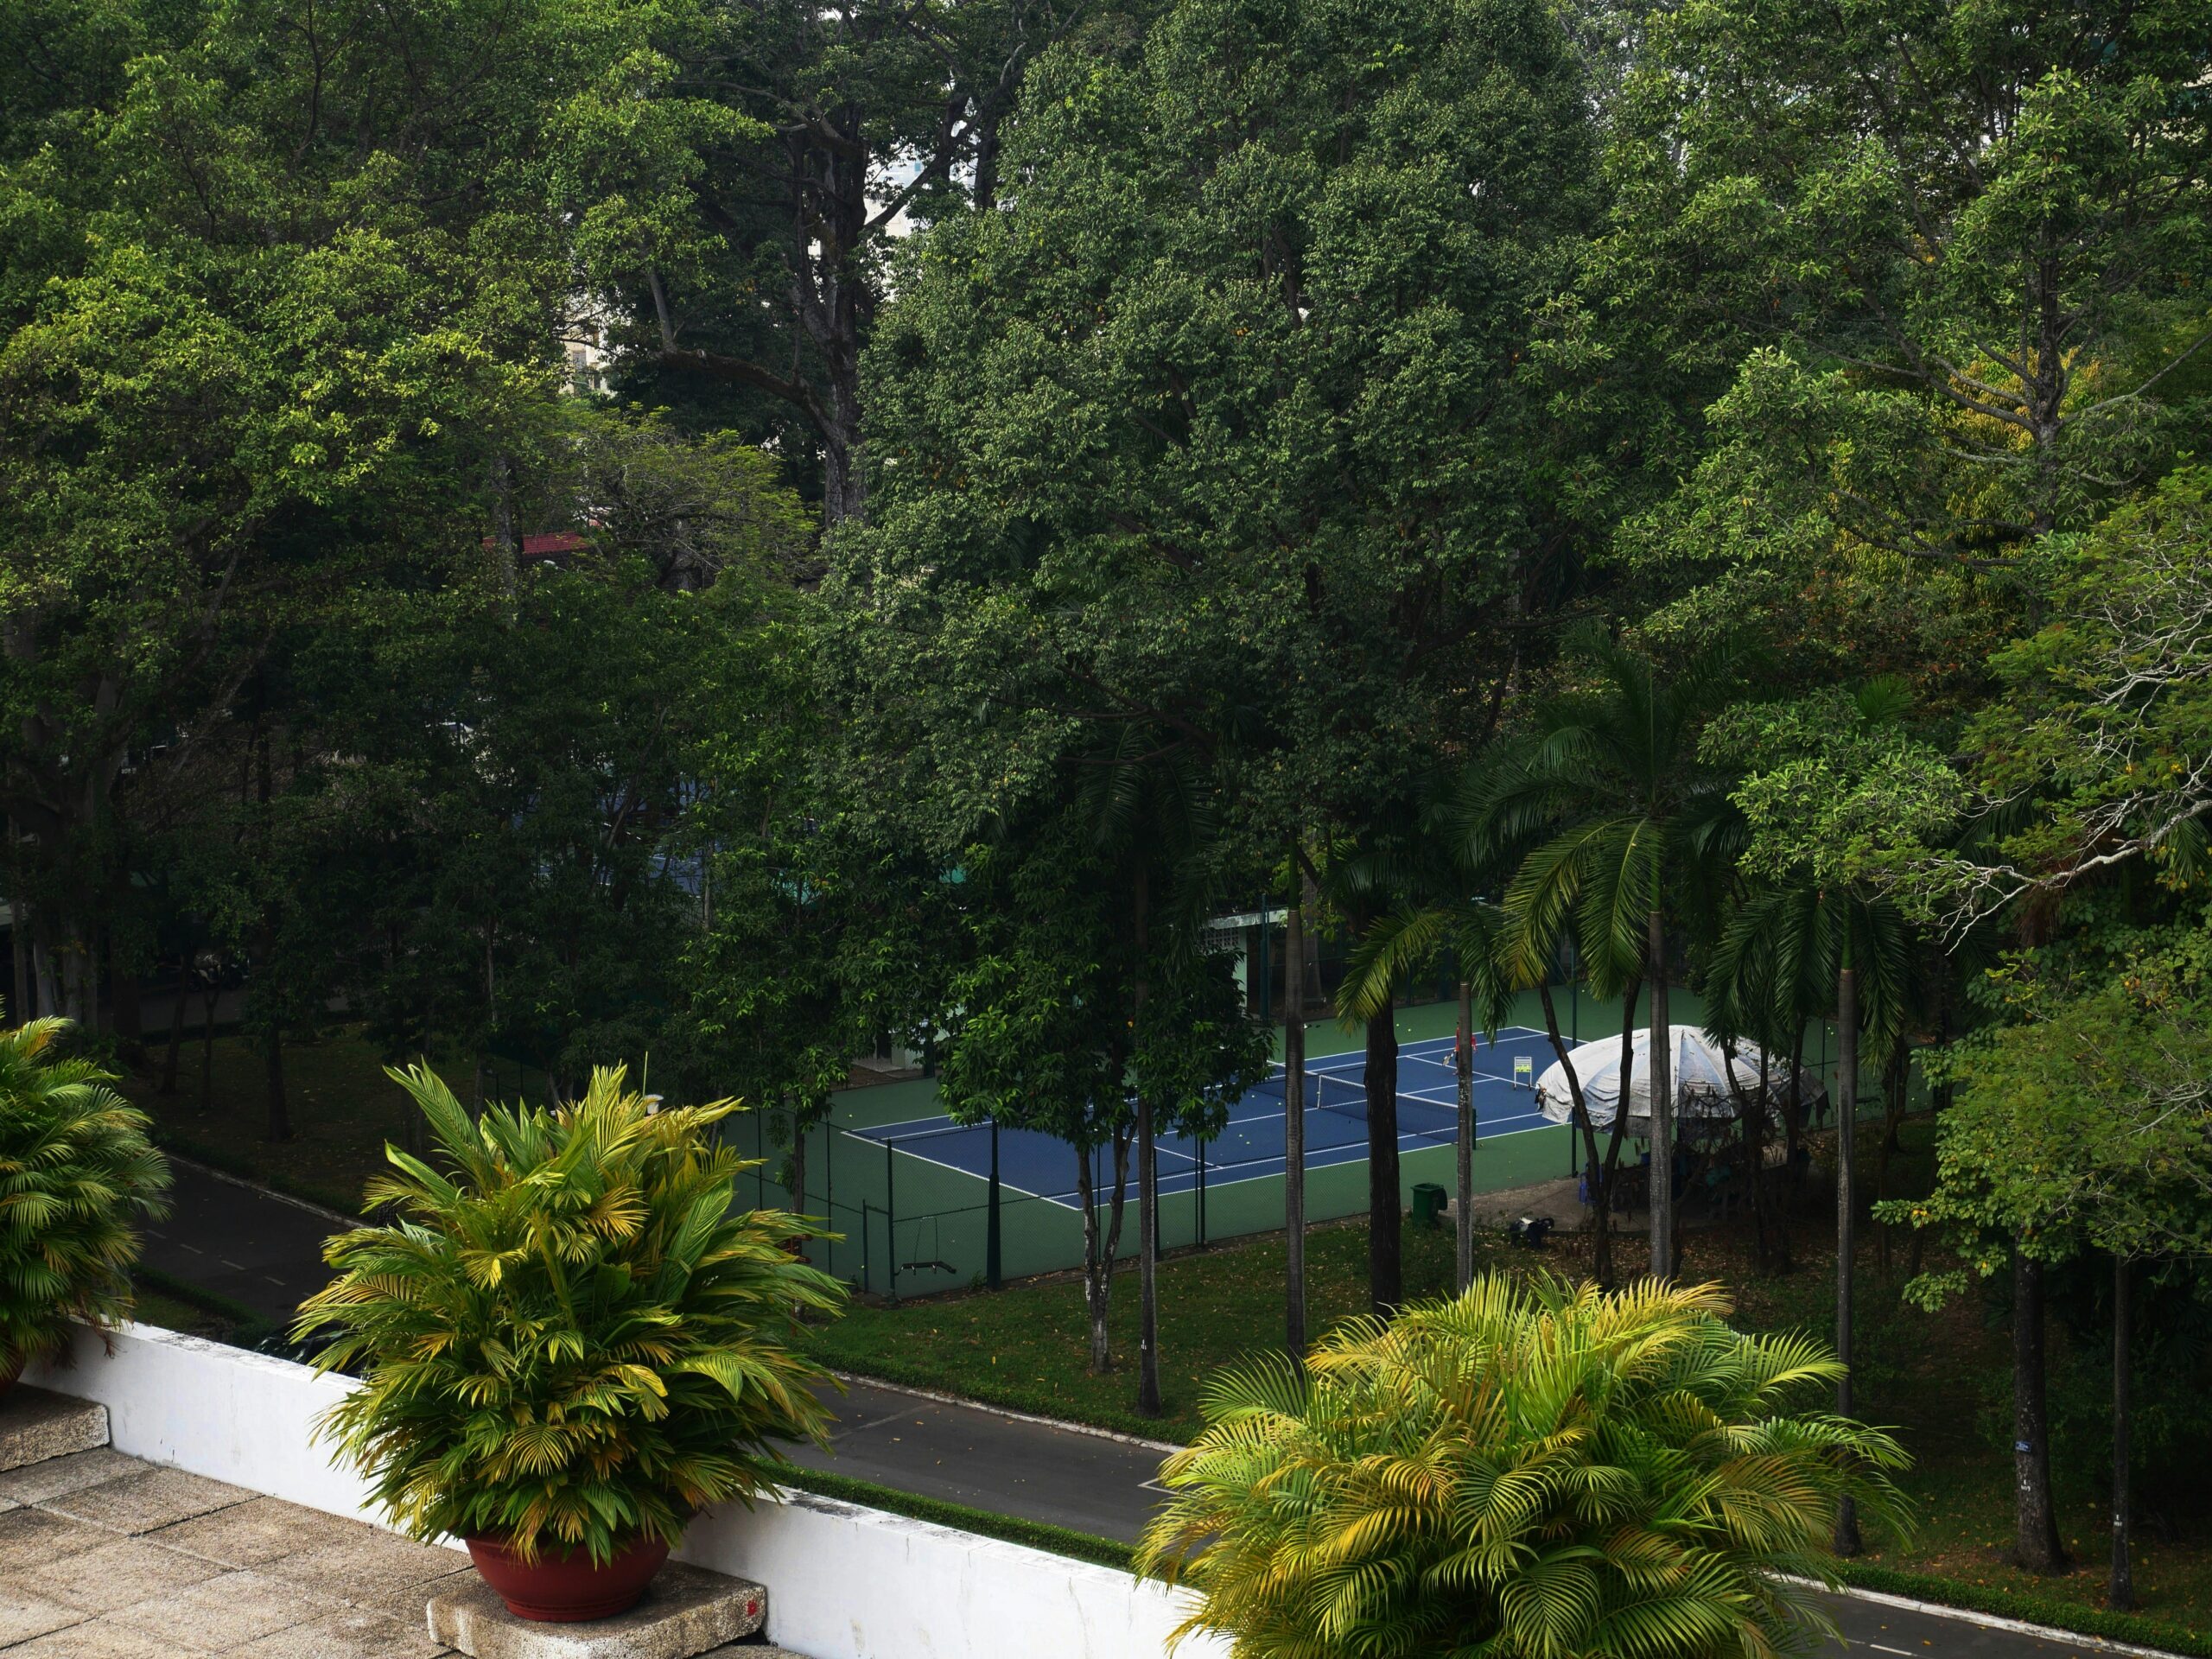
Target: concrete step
pixel 35 1425
pixel 687 1613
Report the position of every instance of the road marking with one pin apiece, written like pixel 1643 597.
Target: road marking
pixel 2075 1640
pixel 231 1265
pixel 1161 1446
pixel 1879 1648
pixel 874 1422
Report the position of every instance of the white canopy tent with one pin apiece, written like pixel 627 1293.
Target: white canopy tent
pixel 1700 1076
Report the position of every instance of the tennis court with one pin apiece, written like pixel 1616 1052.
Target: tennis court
pixel 1251 1147
pixel 909 1193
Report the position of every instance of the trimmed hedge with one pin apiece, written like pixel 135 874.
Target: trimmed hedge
pixel 1037 1534
pixel 2029 1608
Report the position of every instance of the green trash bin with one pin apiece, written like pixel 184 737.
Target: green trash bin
pixel 1428 1203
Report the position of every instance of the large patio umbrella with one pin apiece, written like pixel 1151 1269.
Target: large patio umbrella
pixel 1703 1098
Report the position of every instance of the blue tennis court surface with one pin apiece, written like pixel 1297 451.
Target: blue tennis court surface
pixel 1251 1147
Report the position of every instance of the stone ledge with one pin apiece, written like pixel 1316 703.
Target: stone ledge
pixel 35 1425
pixel 687 1612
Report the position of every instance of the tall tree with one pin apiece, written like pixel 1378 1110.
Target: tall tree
pixel 279 313
pixel 749 240
pixel 2081 1126
pixel 1947 275
pixel 1224 427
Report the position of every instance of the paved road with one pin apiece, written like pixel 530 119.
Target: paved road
pixel 265 1252
pixel 241 1242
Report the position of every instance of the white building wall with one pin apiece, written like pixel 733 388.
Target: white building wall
pixel 844 1582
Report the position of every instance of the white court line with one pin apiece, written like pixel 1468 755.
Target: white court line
pixel 1005 1186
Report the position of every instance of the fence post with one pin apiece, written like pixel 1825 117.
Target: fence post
pixel 865 1285
pixel 1202 1192
pixel 991 1262
pixel 830 1190
pixel 891 1215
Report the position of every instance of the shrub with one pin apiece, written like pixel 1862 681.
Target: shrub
pixel 76 1172
pixel 1532 1469
pixel 568 1338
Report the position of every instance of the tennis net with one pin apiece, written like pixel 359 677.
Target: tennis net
pixel 1346 1098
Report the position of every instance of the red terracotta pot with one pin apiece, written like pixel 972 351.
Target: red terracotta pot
pixel 562 1588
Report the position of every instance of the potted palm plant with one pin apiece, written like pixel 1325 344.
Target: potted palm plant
pixel 76 1174
pixel 1531 1468
pixel 570 1339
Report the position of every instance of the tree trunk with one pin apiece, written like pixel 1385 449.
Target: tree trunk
pixel 2120 1594
pixel 280 1116
pixel 1098 1253
pixel 1294 1118
pixel 1096 1285
pixel 1793 1123
pixel 42 976
pixel 1660 1059
pixel 1896 1077
pixel 1614 1141
pixel 22 1002
pixel 1148 1174
pixel 1751 1126
pixel 1464 1145
pixel 208 1044
pixel 129 1020
pixel 1848 1542
pixel 1385 1267
pixel 2036 1546
pixel 1598 1173
pixel 175 1052
pixel 799 1172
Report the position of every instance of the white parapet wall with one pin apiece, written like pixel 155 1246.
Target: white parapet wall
pixel 844 1582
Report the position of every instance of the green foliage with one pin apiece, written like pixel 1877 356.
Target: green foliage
pixel 2087 1122
pixel 567 1338
pixel 1604 815
pixel 1222 426
pixel 76 1174
pixel 2097 749
pixel 1531 1469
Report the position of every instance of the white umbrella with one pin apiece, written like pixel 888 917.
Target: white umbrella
pixel 1700 1072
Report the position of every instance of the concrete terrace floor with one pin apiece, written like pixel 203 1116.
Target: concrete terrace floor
pixel 104 1556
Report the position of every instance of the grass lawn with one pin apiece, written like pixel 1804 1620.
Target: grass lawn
pixel 1932 1377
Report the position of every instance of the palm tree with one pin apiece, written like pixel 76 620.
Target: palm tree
pixel 77 1174
pixel 1405 941
pixel 1624 828
pixel 1781 963
pixel 1530 1469
pixel 1844 932
pixel 1406 873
